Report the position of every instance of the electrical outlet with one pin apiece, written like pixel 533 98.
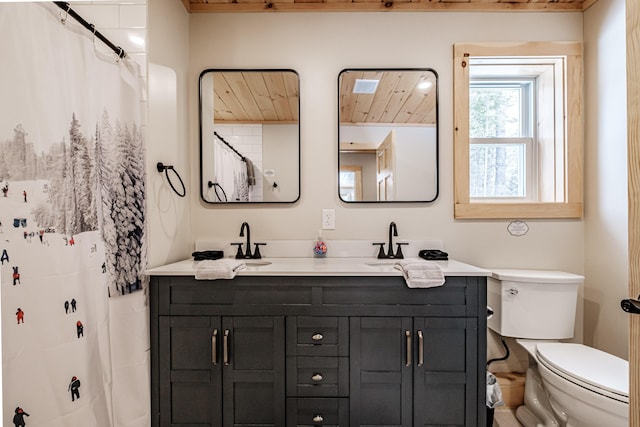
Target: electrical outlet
pixel 328 219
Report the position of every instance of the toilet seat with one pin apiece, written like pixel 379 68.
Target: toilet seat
pixel 590 368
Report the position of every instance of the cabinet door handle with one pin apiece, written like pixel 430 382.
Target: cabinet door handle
pixel 318 418
pixel 214 347
pixel 407 335
pixel 225 347
pixel 317 337
pixel 316 377
pixel 420 348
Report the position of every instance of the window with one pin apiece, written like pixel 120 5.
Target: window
pixel 518 130
pixel 350 183
pixel 502 160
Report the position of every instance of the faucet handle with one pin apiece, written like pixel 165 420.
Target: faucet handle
pixel 399 254
pixel 256 253
pixel 239 254
pixel 381 254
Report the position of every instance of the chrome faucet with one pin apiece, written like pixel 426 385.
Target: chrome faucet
pixel 393 231
pixel 247 255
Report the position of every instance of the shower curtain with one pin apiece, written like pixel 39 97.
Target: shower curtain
pixel 230 173
pixel 72 226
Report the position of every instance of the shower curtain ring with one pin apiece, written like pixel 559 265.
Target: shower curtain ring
pixel 93 31
pixel 66 15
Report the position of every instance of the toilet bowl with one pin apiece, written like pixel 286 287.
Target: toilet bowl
pixel 568 384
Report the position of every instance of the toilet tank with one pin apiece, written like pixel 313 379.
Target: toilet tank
pixel 534 304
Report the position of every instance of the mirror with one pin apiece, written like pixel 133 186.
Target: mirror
pixel 249 136
pixel 388 135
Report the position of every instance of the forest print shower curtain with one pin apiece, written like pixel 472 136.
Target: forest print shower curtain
pixel 72 219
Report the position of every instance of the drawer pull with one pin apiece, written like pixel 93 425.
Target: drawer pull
pixel 317 337
pixel 420 348
pixel 407 334
pixel 225 347
pixel 318 418
pixel 214 347
pixel 317 377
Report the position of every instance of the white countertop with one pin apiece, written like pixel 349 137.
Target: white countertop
pixel 320 267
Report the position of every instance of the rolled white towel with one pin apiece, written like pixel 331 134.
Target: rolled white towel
pixel 421 274
pixel 225 268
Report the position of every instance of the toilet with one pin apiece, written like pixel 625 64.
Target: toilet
pixel 569 384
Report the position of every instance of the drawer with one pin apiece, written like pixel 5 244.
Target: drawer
pixel 183 295
pixel 308 412
pixel 318 376
pixel 317 336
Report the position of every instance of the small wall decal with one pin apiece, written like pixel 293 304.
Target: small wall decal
pixel 20 315
pixel 80 329
pixel 74 388
pixel 18 418
pixel 518 228
pixel 4 257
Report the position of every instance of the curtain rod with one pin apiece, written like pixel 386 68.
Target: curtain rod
pixel 229 145
pixel 117 49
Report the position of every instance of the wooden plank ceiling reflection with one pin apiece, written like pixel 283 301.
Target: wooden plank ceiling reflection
pixel 386 5
pixel 255 97
pixel 400 98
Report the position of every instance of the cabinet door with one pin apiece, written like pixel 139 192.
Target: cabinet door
pixel 189 371
pixel 445 374
pixel 381 368
pixel 253 365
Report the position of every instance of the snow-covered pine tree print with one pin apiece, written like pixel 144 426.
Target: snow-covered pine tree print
pixel 93 184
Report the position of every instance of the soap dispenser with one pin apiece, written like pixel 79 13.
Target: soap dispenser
pixel 320 248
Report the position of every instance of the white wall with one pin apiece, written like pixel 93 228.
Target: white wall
pixel 281 158
pixel 170 236
pixel 606 218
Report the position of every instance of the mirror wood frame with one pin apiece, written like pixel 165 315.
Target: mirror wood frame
pixel 253 96
pixel 414 113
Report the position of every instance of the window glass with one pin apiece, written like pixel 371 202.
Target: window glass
pixel 495 111
pixel 348 185
pixel 497 170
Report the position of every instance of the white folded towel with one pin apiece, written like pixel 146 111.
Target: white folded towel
pixel 225 268
pixel 421 274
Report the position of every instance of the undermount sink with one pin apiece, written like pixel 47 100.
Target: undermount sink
pixel 381 263
pixel 257 263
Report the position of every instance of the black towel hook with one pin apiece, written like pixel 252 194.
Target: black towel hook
pixel 165 168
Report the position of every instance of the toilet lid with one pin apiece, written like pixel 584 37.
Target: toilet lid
pixel 596 370
pixel 537 276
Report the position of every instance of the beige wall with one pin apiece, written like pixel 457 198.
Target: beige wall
pixel 606 250
pixel 310 44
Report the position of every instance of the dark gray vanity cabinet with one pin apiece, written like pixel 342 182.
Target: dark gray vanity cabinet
pixel 413 371
pixel 317 351
pixel 221 371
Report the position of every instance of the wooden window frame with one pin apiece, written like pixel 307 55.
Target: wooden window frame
pixel 571 142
